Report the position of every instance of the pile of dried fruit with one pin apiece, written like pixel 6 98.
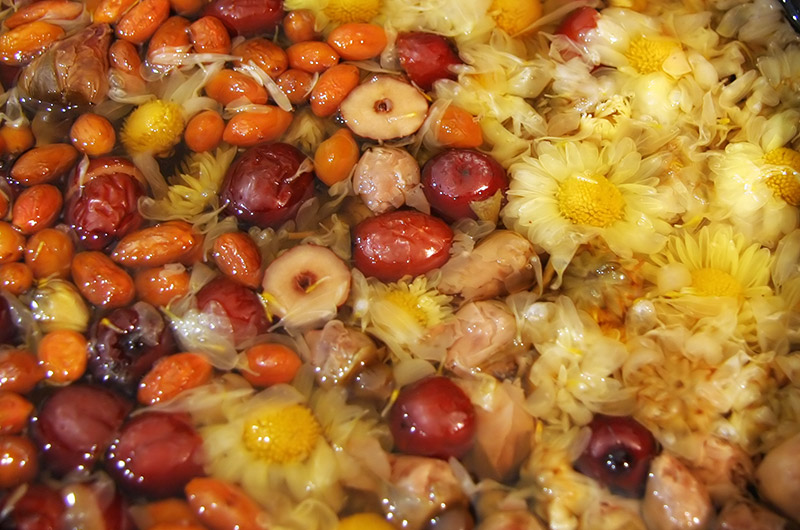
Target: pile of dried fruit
pixel 426 264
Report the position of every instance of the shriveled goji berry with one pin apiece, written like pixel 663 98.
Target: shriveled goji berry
pixel 173 374
pixel 270 364
pixel 63 355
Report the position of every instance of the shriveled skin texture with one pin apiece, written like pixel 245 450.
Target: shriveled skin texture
pixel 778 477
pixel 384 176
pixel 747 515
pixel 674 499
pixel 484 334
pixel 74 71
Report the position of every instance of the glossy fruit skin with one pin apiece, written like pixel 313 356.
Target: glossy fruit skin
pixel 618 454
pixel 8 326
pixel 247 17
pixel 455 178
pixel 262 187
pixel 126 343
pixel 426 57
pixel 39 508
pixel 156 454
pixel 104 209
pixel 240 304
pixel 74 426
pixel 433 417
pixel 578 23
pixel 394 244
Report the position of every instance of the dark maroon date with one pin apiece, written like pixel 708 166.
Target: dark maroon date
pixel 433 417
pixel 155 455
pixel 263 187
pixel 394 244
pixel 39 508
pixel 240 304
pixel 426 57
pixel 74 426
pixel 618 455
pixel 454 179
pixel 247 17
pixel 8 327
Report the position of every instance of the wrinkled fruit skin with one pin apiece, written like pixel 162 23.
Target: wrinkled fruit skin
pixel 263 188
pixel 433 417
pixel 126 343
pixel 104 209
pixel 75 424
pixel 426 57
pixel 457 177
pixel 618 455
pixel 240 304
pixel 247 17
pixel 156 454
pixel 394 244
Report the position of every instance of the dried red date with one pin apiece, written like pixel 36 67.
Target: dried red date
pixel 392 245
pixel 247 17
pixel 240 304
pixel 426 57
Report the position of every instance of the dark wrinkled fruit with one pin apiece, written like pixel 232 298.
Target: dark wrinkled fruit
pixel 126 343
pixel 433 417
pixel 156 454
pixel 426 57
pixel 618 455
pixel 8 327
pixel 455 179
pixel 247 17
pixel 263 186
pixel 75 425
pixel 240 304
pixel 104 209
pixel 394 244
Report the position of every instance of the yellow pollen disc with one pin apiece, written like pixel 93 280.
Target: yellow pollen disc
pixel 408 303
pixel 514 16
pixel 785 183
pixel 714 282
pixel 282 436
pixel 154 127
pixel 646 56
pixel 590 200
pixel 343 11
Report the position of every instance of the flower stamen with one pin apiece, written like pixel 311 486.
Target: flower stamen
pixel 647 56
pixel 715 282
pixel 282 436
pixel 344 11
pixel 590 200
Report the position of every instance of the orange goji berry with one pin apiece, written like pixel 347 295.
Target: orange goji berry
pixel 142 21
pixel 227 86
pixel 49 253
pixel 63 354
pixel 15 411
pixel 36 208
pixel 296 84
pixel 123 56
pixel 332 87
pixel 110 11
pixel 246 129
pixel 166 511
pixel 44 164
pixel 311 56
pixel 204 131
pixel 173 33
pixel 238 257
pixel 156 245
pixel 270 364
pixel 263 53
pixel 186 7
pixel 220 504
pixel 101 281
pixel 458 128
pixel 173 374
pixel 19 371
pixel 16 278
pixel 19 461
pixel 22 44
pixel 160 285
pixel 12 243
pixel 336 157
pixel 17 139
pixel 209 35
pixel 44 9
pixel 92 134
pixel 356 41
pixel 298 25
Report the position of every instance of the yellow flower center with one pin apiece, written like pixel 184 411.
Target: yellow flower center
pixel 343 11
pixel 590 200
pixel 282 436
pixel 154 127
pixel 784 184
pixel 408 303
pixel 714 282
pixel 514 16
pixel 646 56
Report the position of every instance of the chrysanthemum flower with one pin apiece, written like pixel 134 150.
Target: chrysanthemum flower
pixel 400 314
pixel 286 447
pixel 781 69
pixel 757 183
pixel 576 193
